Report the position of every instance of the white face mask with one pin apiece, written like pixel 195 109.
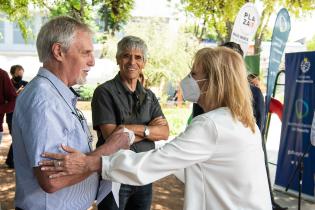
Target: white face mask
pixel 190 87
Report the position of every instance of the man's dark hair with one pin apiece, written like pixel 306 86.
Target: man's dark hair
pixel 234 46
pixel 14 68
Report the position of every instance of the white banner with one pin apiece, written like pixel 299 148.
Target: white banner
pixel 245 25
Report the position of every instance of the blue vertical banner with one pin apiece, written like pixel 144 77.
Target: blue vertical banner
pixel 299 104
pixel 279 39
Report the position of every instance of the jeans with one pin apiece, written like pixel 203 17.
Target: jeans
pixel 130 198
pixel 9 161
pixel 9 117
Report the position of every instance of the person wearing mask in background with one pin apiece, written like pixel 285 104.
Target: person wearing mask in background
pixel 220 150
pixel 46 117
pixel 253 79
pixel 258 99
pixel 16 72
pixel 7 97
pixel 124 102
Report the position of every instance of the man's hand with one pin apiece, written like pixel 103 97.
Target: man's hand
pixel 76 162
pixel 118 140
pixel 20 90
pixel 72 163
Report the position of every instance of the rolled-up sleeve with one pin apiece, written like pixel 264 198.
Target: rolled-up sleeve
pixel 103 108
pixel 156 110
pixel 196 144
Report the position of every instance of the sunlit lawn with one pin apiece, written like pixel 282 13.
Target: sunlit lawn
pixel 177 118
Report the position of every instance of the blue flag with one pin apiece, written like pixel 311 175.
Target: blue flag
pixel 279 39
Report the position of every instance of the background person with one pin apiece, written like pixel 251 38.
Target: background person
pixel 253 79
pixel 220 150
pixel 124 102
pixel 16 72
pixel 7 97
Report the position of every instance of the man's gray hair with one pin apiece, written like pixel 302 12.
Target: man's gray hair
pixel 129 43
pixel 61 30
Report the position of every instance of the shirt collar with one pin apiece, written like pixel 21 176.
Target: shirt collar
pixel 63 90
pixel 122 87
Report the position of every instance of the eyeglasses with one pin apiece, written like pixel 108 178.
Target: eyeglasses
pixel 85 127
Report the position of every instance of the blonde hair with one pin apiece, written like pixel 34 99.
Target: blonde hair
pixel 227 84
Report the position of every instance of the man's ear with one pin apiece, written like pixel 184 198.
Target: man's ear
pixel 57 51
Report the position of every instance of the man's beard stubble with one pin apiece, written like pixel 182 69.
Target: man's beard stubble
pixel 81 80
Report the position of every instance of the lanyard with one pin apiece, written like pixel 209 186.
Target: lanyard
pixel 77 113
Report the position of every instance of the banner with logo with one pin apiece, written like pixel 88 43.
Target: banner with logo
pixel 245 25
pixel 279 39
pixel 299 104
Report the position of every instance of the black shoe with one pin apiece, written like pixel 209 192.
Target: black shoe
pixel 276 206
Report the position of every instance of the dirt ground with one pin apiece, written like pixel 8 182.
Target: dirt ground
pixel 168 193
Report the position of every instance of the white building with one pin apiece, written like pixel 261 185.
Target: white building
pixel 15 50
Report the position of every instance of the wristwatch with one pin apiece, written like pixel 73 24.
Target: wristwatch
pixel 146 131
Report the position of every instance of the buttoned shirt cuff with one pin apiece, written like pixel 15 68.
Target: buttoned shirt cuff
pixel 105 167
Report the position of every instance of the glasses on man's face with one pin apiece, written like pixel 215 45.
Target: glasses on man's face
pixel 85 127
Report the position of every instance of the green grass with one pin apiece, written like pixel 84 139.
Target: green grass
pixel 177 118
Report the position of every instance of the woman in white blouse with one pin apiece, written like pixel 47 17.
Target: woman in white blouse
pixel 220 150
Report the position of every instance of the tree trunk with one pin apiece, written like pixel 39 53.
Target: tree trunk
pixel 259 36
pixel 229 28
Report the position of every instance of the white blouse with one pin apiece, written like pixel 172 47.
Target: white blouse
pixel 223 161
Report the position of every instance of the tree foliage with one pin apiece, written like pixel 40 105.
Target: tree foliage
pixel 113 13
pixel 311 44
pixel 297 8
pixel 78 9
pixel 17 11
pixel 217 16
